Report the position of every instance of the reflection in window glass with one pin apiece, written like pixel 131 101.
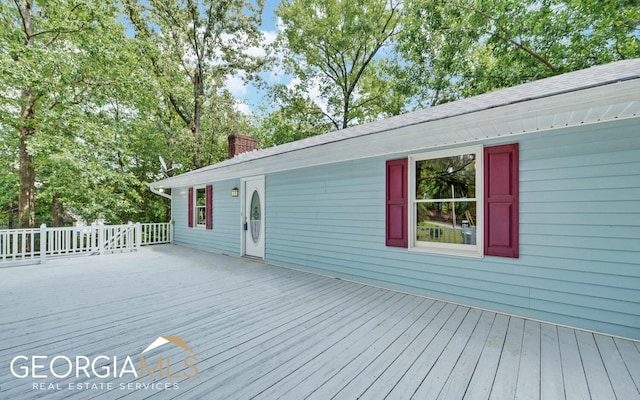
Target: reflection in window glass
pixel 201 212
pixel 445 202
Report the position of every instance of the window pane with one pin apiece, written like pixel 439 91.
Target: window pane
pixel 446 222
pixel 201 197
pixel 201 215
pixel 446 178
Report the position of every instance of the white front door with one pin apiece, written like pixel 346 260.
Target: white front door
pixel 253 215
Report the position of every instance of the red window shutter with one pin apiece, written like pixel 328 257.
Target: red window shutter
pixel 397 203
pixel 190 207
pixel 501 209
pixel 209 206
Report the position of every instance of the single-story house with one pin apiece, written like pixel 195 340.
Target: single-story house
pixel 524 201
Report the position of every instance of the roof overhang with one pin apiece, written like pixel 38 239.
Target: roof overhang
pixel 459 123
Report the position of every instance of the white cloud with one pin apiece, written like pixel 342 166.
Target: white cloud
pixel 236 85
pixel 268 37
pixel 280 25
pixel 242 107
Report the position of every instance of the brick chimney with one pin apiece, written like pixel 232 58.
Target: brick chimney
pixel 239 144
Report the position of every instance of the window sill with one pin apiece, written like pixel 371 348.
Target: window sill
pixel 447 252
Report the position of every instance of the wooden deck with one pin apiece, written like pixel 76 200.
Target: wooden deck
pixel 265 332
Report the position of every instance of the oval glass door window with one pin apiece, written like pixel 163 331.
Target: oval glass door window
pixel 255 218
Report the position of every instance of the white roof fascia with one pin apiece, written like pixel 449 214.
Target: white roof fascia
pixel 573 108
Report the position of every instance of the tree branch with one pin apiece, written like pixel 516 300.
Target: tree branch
pixel 187 119
pixel 333 121
pixel 378 45
pixel 24 8
pixel 141 28
pixel 57 32
pixel 509 36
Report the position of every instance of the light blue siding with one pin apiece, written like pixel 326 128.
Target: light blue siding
pixel 579 259
pixel 225 236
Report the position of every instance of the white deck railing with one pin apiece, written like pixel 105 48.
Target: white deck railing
pixel 443 234
pixel 35 245
pixel 19 245
pixel 157 233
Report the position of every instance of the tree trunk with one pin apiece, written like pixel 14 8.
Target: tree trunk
pixel 196 140
pixel 198 96
pixel 345 110
pixel 57 211
pixel 27 172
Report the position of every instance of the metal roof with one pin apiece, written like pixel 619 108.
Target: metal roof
pixel 592 95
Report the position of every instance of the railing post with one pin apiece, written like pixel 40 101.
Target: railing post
pixel 171 222
pixel 138 235
pixel 43 243
pixel 101 235
pixel 92 237
pixel 14 243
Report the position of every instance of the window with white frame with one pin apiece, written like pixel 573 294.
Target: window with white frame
pixel 200 208
pixel 446 200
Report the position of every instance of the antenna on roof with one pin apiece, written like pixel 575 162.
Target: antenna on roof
pixel 163 167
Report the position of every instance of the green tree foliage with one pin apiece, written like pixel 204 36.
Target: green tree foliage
pixel 8 180
pixel 459 48
pixel 74 111
pixel 53 58
pixel 296 117
pixel 85 110
pixel 333 45
pixel 192 47
pixel 221 119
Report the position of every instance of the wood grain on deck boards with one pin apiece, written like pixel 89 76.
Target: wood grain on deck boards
pixel 459 378
pixel 266 332
pixel 575 381
pixel 528 387
pixel 616 369
pixel 552 386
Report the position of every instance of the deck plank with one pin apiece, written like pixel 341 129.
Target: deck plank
pixel 241 357
pixel 575 381
pixel 552 386
pixel 347 383
pixel 459 378
pixel 315 353
pixel 630 353
pixel 485 373
pixel 504 386
pixel 335 381
pixel 621 380
pixel 304 381
pixel 408 384
pixel 310 371
pixel 261 331
pixel 388 379
pixel 595 372
pixel 242 369
pixel 528 387
pixel 436 378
